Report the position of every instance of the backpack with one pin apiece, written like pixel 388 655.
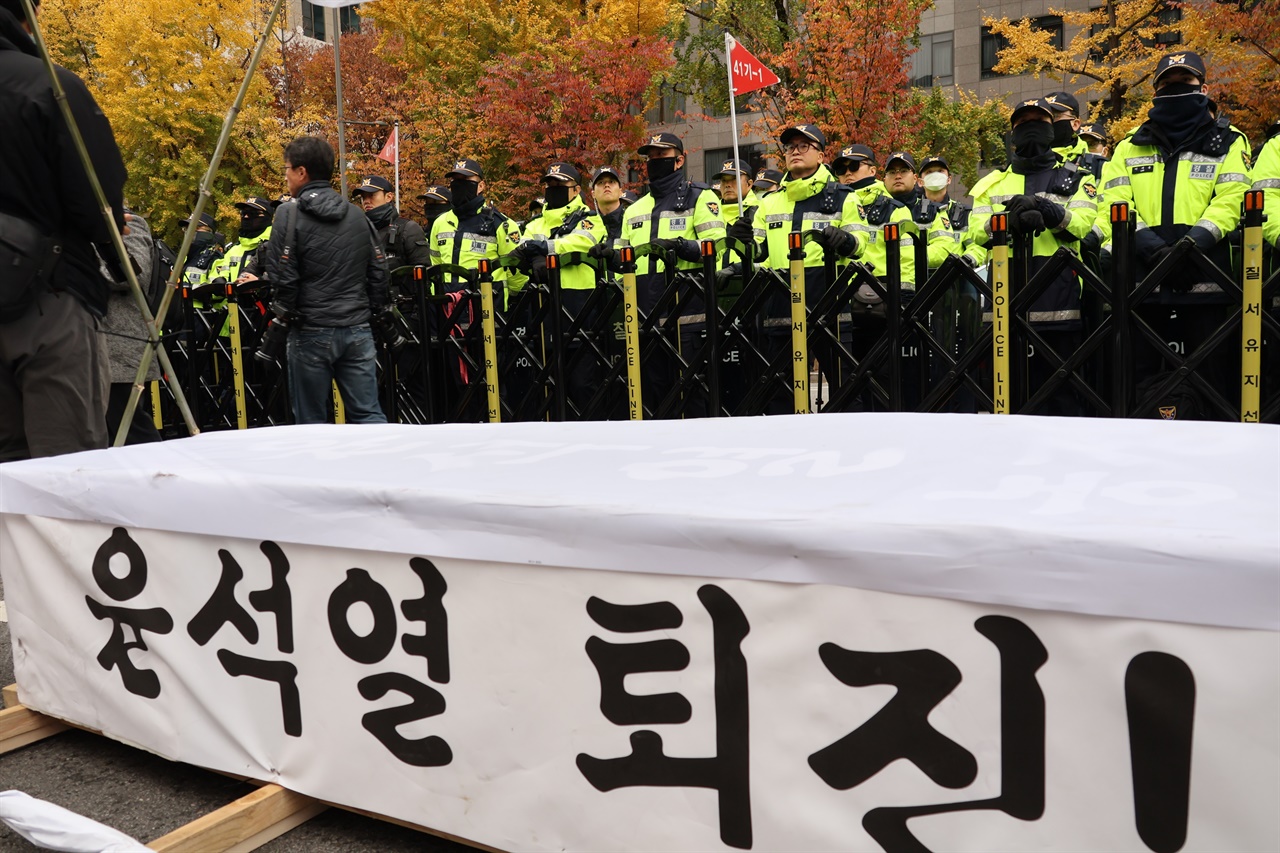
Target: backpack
pixel 162 261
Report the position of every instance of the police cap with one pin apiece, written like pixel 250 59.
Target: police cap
pixel 660 141
pixel 605 172
pixel 1063 102
pixel 205 219
pixel 901 157
pixel 767 179
pixel 465 169
pixel 729 168
pixel 255 205
pixel 437 193
pixel 854 154
pixel 375 184
pixel 933 160
pixel 1037 105
pixel 1097 130
pixel 810 132
pixel 629 198
pixel 1182 59
pixel 561 173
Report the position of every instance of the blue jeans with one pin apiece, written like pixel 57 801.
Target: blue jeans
pixel 318 357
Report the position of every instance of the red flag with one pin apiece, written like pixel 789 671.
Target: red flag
pixel 391 149
pixel 746 73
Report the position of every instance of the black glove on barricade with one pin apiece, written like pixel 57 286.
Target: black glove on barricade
pixel 835 240
pixel 538 270
pixel 724 275
pixel 742 231
pixel 685 250
pixel 603 251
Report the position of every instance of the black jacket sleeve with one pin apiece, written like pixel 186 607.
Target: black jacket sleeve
pixel 78 201
pixel 376 274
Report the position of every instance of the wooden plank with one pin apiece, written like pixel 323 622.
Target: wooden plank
pixel 19 726
pixel 456 839
pixel 244 825
pixel 9 695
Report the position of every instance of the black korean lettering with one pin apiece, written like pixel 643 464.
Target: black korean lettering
pixel 377 644
pixel 1022 760
pixel 156 620
pixel 434 643
pixel 1160 699
pixel 282 673
pixel 134 581
pixel 115 654
pixel 430 751
pixel 277 599
pixel 728 771
pixel 901 728
pixel 222 606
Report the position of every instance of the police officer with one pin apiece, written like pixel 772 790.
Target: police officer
pixel 856 167
pixel 1068 141
pixel 1184 174
pixel 736 197
pixel 903 183
pixel 767 181
pixel 403 241
pixel 206 247
pixel 809 198
pixel 1266 177
pixel 674 217
pixel 606 191
pixel 436 202
pixel 1055 205
pixel 1095 136
pixel 567 226
pixel 935 183
pixel 255 231
pixel 471 230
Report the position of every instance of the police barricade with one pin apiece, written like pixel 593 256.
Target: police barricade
pixel 787 633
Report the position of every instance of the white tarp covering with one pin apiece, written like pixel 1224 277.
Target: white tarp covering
pixel 1179 522
pixel 414 621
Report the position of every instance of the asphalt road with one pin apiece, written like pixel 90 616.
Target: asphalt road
pixel 146 796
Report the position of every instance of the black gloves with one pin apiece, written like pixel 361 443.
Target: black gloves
pixel 388 331
pixel 603 251
pixel 742 231
pixel 685 250
pixel 724 275
pixel 1018 204
pixel 1052 212
pixel 834 240
pixel 530 249
pixel 1202 237
pixel 538 269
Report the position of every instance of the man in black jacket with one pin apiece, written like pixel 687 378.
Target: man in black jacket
pixel 53 378
pixel 327 289
pixel 402 240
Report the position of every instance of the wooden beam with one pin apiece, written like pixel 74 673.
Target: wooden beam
pixel 244 825
pixel 19 726
pixel 9 696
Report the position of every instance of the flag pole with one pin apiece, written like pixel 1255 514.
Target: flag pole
pixel 396 132
pixel 733 116
pixel 337 76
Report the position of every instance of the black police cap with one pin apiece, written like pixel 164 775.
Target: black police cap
pixel 933 160
pixel 855 154
pixel 375 184
pixel 810 132
pixel 766 179
pixel 1097 130
pixel 561 173
pixel 437 193
pixel 901 157
pixel 1182 59
pixel 605 172
pixel 729 168
pixel 1063 102
pixel 465 169
pixel 1036 105
pixel 205 219
pixel 255 204
pixel 659 142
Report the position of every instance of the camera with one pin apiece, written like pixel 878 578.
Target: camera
pixel 388 330
pixel 271 347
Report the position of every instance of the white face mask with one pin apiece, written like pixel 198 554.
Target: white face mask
pixel 935 180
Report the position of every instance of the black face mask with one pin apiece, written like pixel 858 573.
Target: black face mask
pixel 1031 139
pixel 556 196
pixel 434 211
pixel 660 168
pixel 1064 135
pixel 1179 109
pixel 464 192
pixel 381 215
pixel 252 226
pixel 202 240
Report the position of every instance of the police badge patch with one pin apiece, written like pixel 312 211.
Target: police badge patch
pixel 713 207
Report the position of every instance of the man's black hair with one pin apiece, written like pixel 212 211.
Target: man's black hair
pixel 313 154
pixel 19 11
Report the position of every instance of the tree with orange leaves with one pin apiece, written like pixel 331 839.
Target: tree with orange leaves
pixel 1240 41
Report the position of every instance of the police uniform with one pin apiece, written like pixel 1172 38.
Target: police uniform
pixel 402 240
pixel 1182 176
pixel 746 204
pixel 1071 194
pixel 1266 177
pixel 244 251
pixel 464 235
pixel 683 212
pixel 1077 153
pixel 565 230
pixel 878 209
pixel 613 219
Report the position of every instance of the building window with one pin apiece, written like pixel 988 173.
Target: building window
pixel 313 20
pixel 932 64
pixel 992 44
pixel 671 104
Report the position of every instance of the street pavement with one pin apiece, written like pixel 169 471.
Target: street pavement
pixel 146 796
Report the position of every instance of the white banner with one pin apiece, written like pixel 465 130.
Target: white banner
pixel 546 708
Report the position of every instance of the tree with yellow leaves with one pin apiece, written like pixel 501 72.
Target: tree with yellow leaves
pixel 165 73
pixel 1114 54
